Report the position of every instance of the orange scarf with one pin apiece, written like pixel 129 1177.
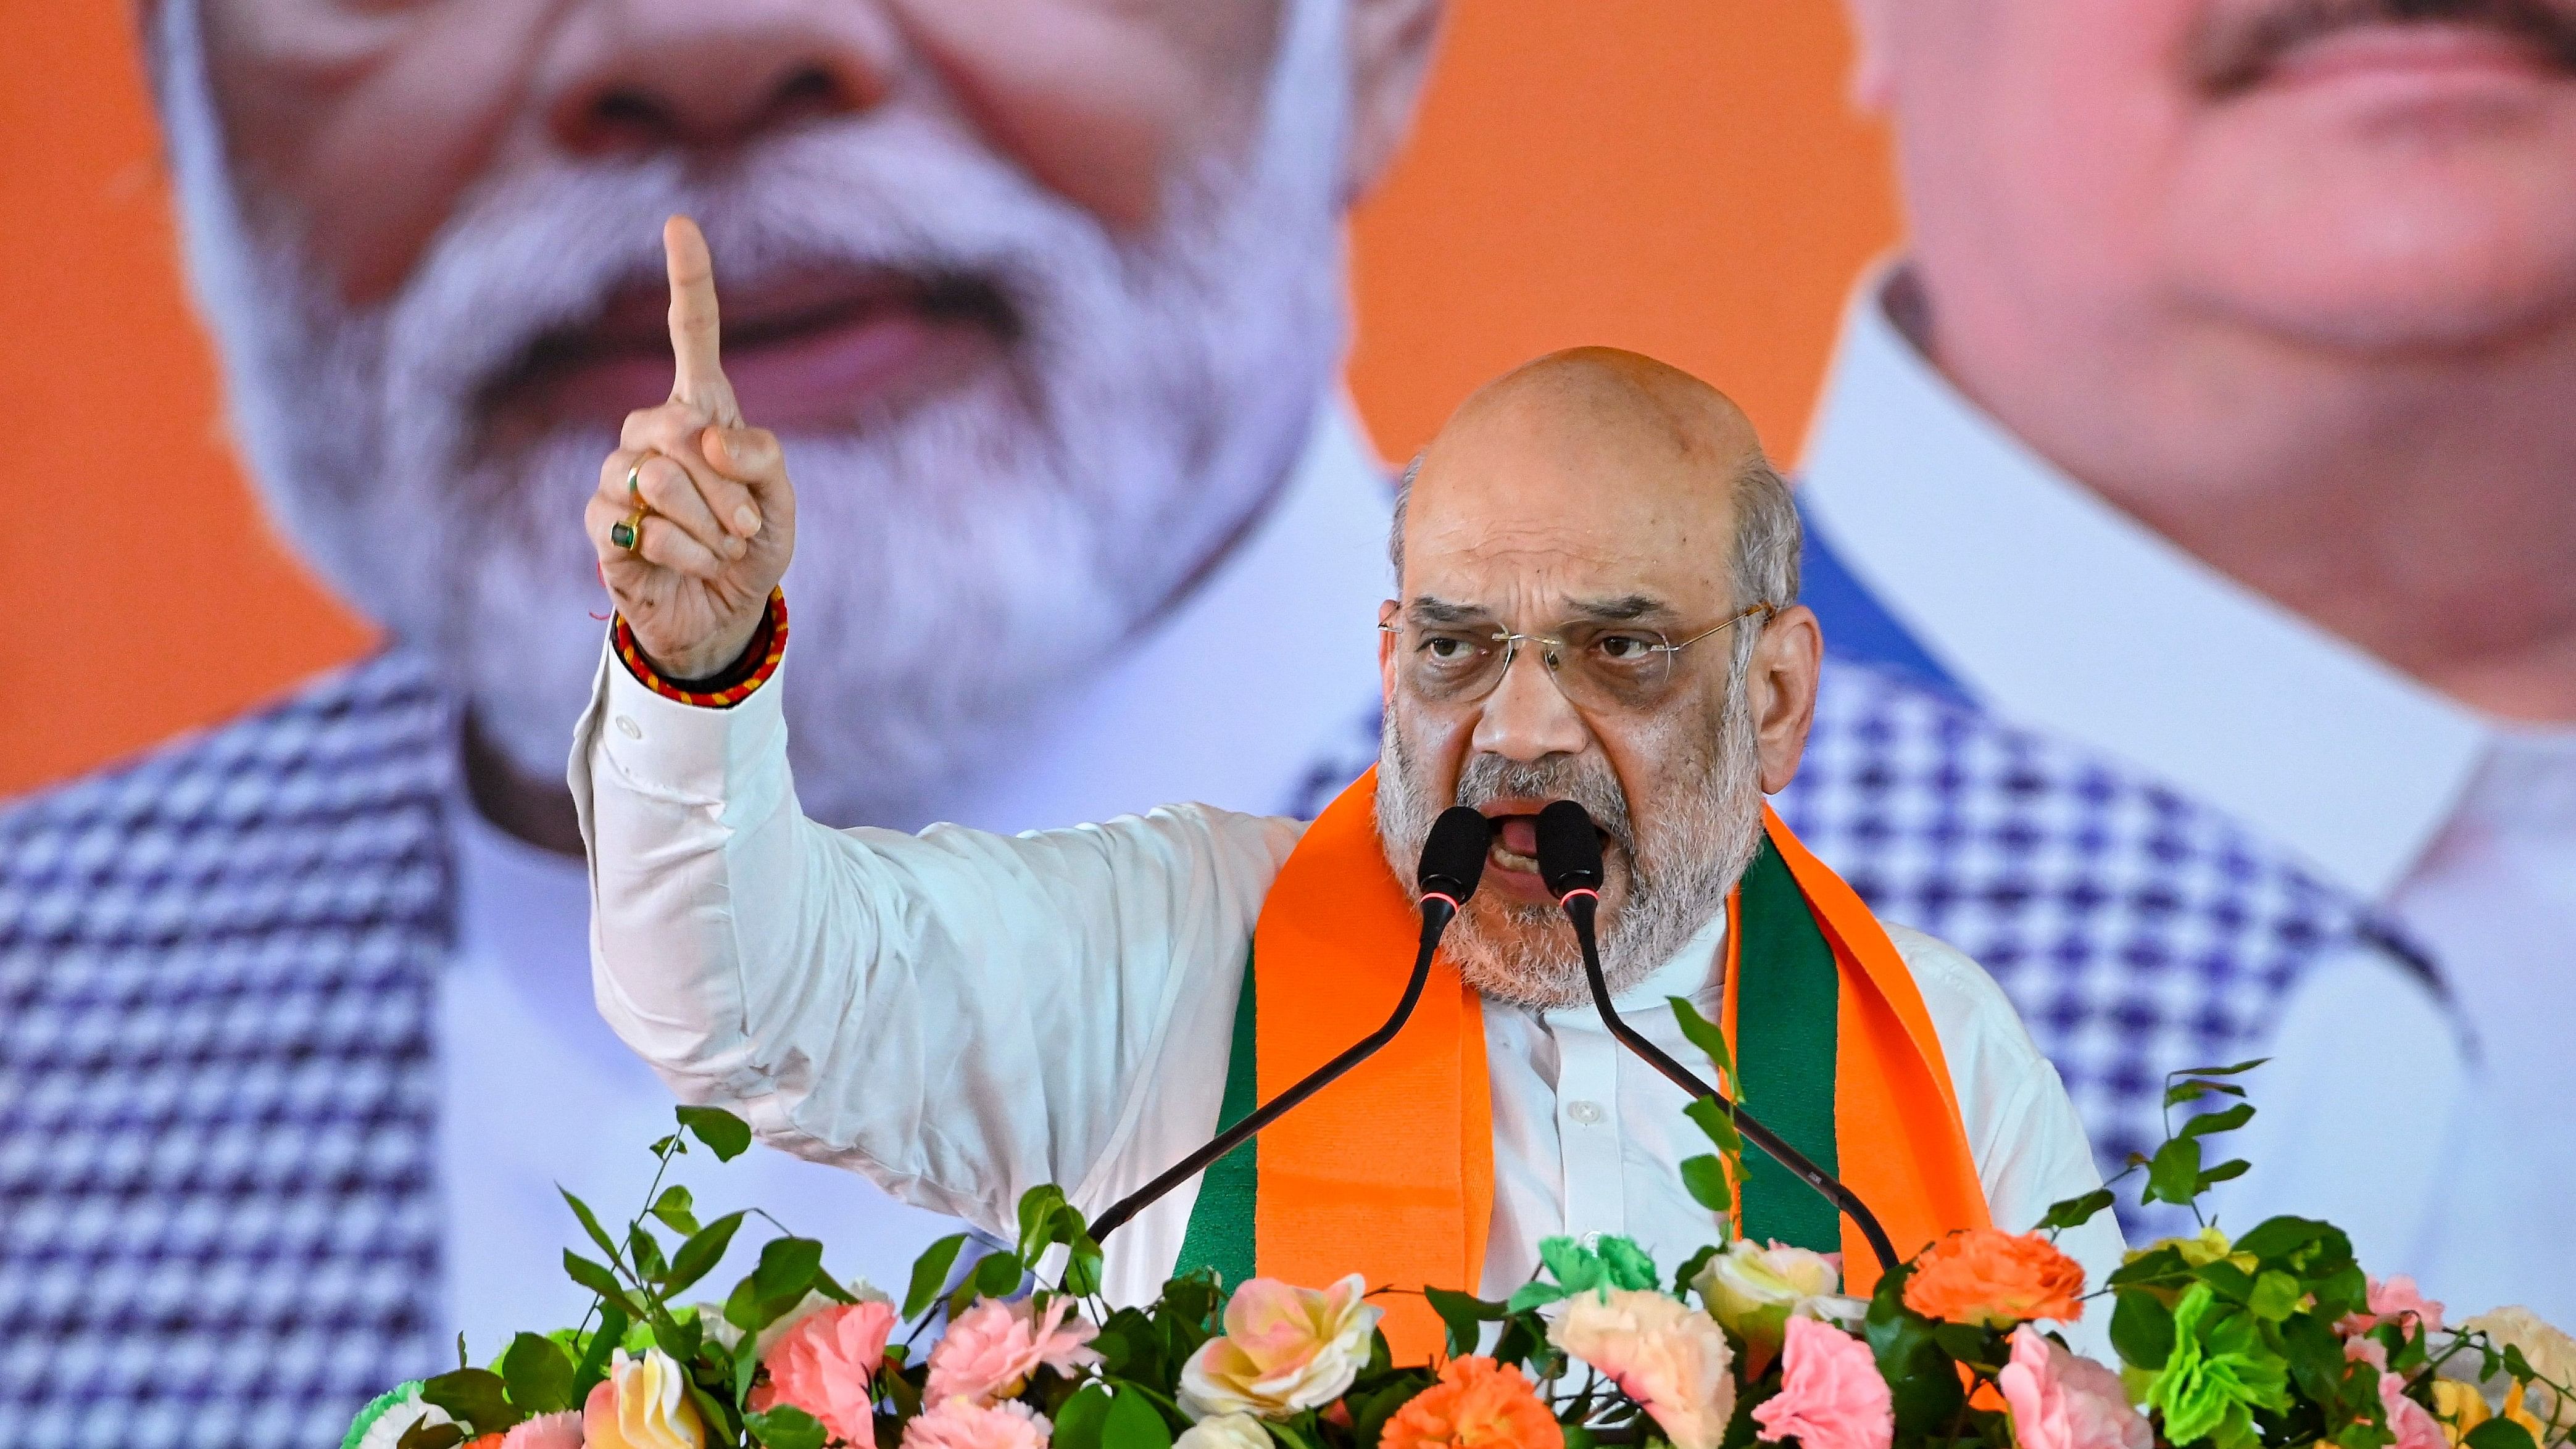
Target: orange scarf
pixel 1390 1172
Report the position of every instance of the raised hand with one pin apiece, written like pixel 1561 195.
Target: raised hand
pixel 719 519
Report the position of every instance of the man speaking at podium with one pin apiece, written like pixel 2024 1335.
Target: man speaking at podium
pixel 1597 578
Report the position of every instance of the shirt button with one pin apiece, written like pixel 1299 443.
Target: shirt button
pixel 1585 1114
pixel 628 727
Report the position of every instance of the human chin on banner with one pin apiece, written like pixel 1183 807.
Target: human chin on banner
pixel 1048 300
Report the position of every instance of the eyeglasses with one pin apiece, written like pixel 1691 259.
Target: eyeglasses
pixel 1596 665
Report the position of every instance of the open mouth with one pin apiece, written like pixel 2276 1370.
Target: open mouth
pixel 1511 862
pixel 820 348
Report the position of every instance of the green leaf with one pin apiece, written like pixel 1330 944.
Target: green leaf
pixel 1046 1220
pixel 2075 1212
pixel 1922 1381
pixel 1533 1294
pixel 425 1435
pixel 473 1396
pixel 2234 1167
pixel 1705 1035
pixel 1705 1177
pixel 2285 1237
pixel 787 1266
pixel 2228 1071
pixel 930 1273
pixel 2181 1092
pixel 1465 1315
pixel 2157 1265
pixel 679 1339
pixel 999 1275
pixel 699 1255
pixel 593 1368
pixel 645 1252
pixel 677 1210
pixel 1079 1419
pixel 671 1143
pixel 1082 1267
pixel 599 1280
pixel 725 1134
pixel 1718 1125
pixel 2499 1433
pixel 785 1427
pixel 590 1225
pixel 1963 1341
pixel 538 1374
pixel 2174 1175
pixel 1132 1423
pixel 2227 1281
pixel 1689 1271
pixel 2210 1123
pixel 2276 1295
pixel 2142 1329
pixel 1368 1421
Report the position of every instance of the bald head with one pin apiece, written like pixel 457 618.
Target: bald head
pixel 1620 511
pixel 1609 450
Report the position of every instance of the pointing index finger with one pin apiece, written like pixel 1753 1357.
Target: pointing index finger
pixel 699 376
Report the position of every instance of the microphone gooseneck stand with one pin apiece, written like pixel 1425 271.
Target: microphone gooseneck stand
pixel 1453 860
pixel 1569 854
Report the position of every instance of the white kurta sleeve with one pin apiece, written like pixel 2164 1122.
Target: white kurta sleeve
pixel 960 1016
pixel 2029 1146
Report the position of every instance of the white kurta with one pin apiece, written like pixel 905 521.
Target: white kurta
pixel 962 1016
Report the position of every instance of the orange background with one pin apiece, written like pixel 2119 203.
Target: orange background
pixel 1682 177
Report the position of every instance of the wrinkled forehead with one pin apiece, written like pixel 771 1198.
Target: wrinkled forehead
pixel 1533 529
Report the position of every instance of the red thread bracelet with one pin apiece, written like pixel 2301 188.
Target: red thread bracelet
pixel 720 691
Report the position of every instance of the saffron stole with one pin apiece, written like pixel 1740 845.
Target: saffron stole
pixel 1389 1171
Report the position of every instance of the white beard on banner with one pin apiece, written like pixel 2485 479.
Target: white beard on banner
pixel 957 564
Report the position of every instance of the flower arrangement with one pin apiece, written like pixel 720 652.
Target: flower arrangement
pixel 2275 1337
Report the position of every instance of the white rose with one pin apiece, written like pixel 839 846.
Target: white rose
pixel 1284 1350
pixel 1756 1289
pixel 1225 1431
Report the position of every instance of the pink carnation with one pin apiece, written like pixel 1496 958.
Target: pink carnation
pixel 2412 1423
pixel 2393 1300
pixel 546 1431
pixel 827 1366
pixel 1831 1394
pixel 2059 1401
pixel 964 1424
pixel 993 1347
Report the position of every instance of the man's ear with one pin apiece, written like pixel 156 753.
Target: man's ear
pixel 1781 692
pixel 1386 646
pixel 1390 50
pixel 1873 65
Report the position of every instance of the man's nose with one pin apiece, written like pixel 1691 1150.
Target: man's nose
pixel 685 75
pixel 1527 718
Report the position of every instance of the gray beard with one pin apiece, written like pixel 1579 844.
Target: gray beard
pixel 959 566
pixel 1692 850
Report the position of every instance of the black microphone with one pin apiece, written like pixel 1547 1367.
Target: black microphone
pixel 1569 860
pixel 1453 860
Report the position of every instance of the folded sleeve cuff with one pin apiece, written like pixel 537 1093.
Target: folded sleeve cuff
pixel 656 742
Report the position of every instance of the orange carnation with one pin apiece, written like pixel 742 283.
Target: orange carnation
pixel 1478 1404
pixel 1996 1279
